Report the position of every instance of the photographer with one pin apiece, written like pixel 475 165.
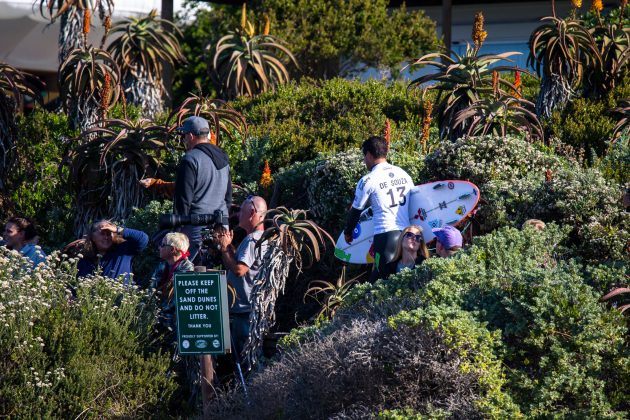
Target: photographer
pixel 202 183
pixel 243 265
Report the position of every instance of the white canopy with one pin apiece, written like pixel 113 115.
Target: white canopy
pixel 28 41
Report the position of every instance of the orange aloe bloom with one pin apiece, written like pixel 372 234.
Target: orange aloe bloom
pixel 597 6
pixel 86 21
pixel 265 178
pixel 107 24
pixel 387 132
pixel 426 124
pixel 213 138
pixel 517 84
pixel 478 34
pixel 267 25
pixel 495 83
pixel 106 94
pixel 576 3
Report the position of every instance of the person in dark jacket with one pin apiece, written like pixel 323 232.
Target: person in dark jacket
pixel 202 183
pixel 111 248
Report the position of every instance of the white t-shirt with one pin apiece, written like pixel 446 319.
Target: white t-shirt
pixel 386 188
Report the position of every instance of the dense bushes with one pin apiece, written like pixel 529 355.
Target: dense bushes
pixel 518 312
pixel 300 120
pixel 518 182
pixel 366 366
pixel 71 347
pixel 37 185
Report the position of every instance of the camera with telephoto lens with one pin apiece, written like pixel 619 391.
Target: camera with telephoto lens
pixel 213 224
pixel 175 220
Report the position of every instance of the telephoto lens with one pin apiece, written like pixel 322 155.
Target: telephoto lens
pixel 174 220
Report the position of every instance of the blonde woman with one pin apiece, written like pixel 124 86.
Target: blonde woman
pixel 411 249
pixel 111 248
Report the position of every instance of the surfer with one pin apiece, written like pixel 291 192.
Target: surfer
pixel 386 189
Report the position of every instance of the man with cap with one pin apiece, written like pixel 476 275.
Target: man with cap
pixel 448 241
pixel 202 182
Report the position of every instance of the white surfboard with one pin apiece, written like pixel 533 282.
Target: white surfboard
pixel 431 206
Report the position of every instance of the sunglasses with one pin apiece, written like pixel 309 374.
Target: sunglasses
pixel 410 235
pixel 251 200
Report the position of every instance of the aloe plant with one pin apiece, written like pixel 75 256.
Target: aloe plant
pixel 14 84
pixel 330 295
pixel 500 116
pixel 223 118
pixel 460 81
pixel 244 63
pixel 75 20
pixel 141 47
pixel 106 164
pixel 89 83
pixel 613 43
pixel 619 297
pixel 560 51
pixel 293 241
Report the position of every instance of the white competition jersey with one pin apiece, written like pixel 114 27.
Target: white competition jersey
pixel 386 188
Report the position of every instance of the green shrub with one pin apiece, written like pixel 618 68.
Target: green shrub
pixel 559 350
pixel 37 184
pixel 301 120
pixel 364 367
pixel 584 124
pixel 616 164
pixel 66 356
pixel 518 182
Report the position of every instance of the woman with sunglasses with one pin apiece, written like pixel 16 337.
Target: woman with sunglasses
pixel 410 249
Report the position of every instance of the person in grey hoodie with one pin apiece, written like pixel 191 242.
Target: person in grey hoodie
pixel 202 183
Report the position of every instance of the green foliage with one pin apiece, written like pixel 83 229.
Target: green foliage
pixel 518 182
pixel 64 356
pixel 14 85
pixel 540 336
pixel 584 124
pixel 89 83
pixel 246 63
pixel 465 81
pixel 319 33
pixel 323 33
pixel 615 165
pixel 300 120
pixel 106 163
pixel 481 160
pixel 38 188
pixel 142 48
pixel 290 184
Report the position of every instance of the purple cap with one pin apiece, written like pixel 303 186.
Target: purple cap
pixel 448 236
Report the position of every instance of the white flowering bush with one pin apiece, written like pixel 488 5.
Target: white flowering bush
pixel 519 182
pixel 488 158
pixel 332 184
pixel 331 187
pixel 73 347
